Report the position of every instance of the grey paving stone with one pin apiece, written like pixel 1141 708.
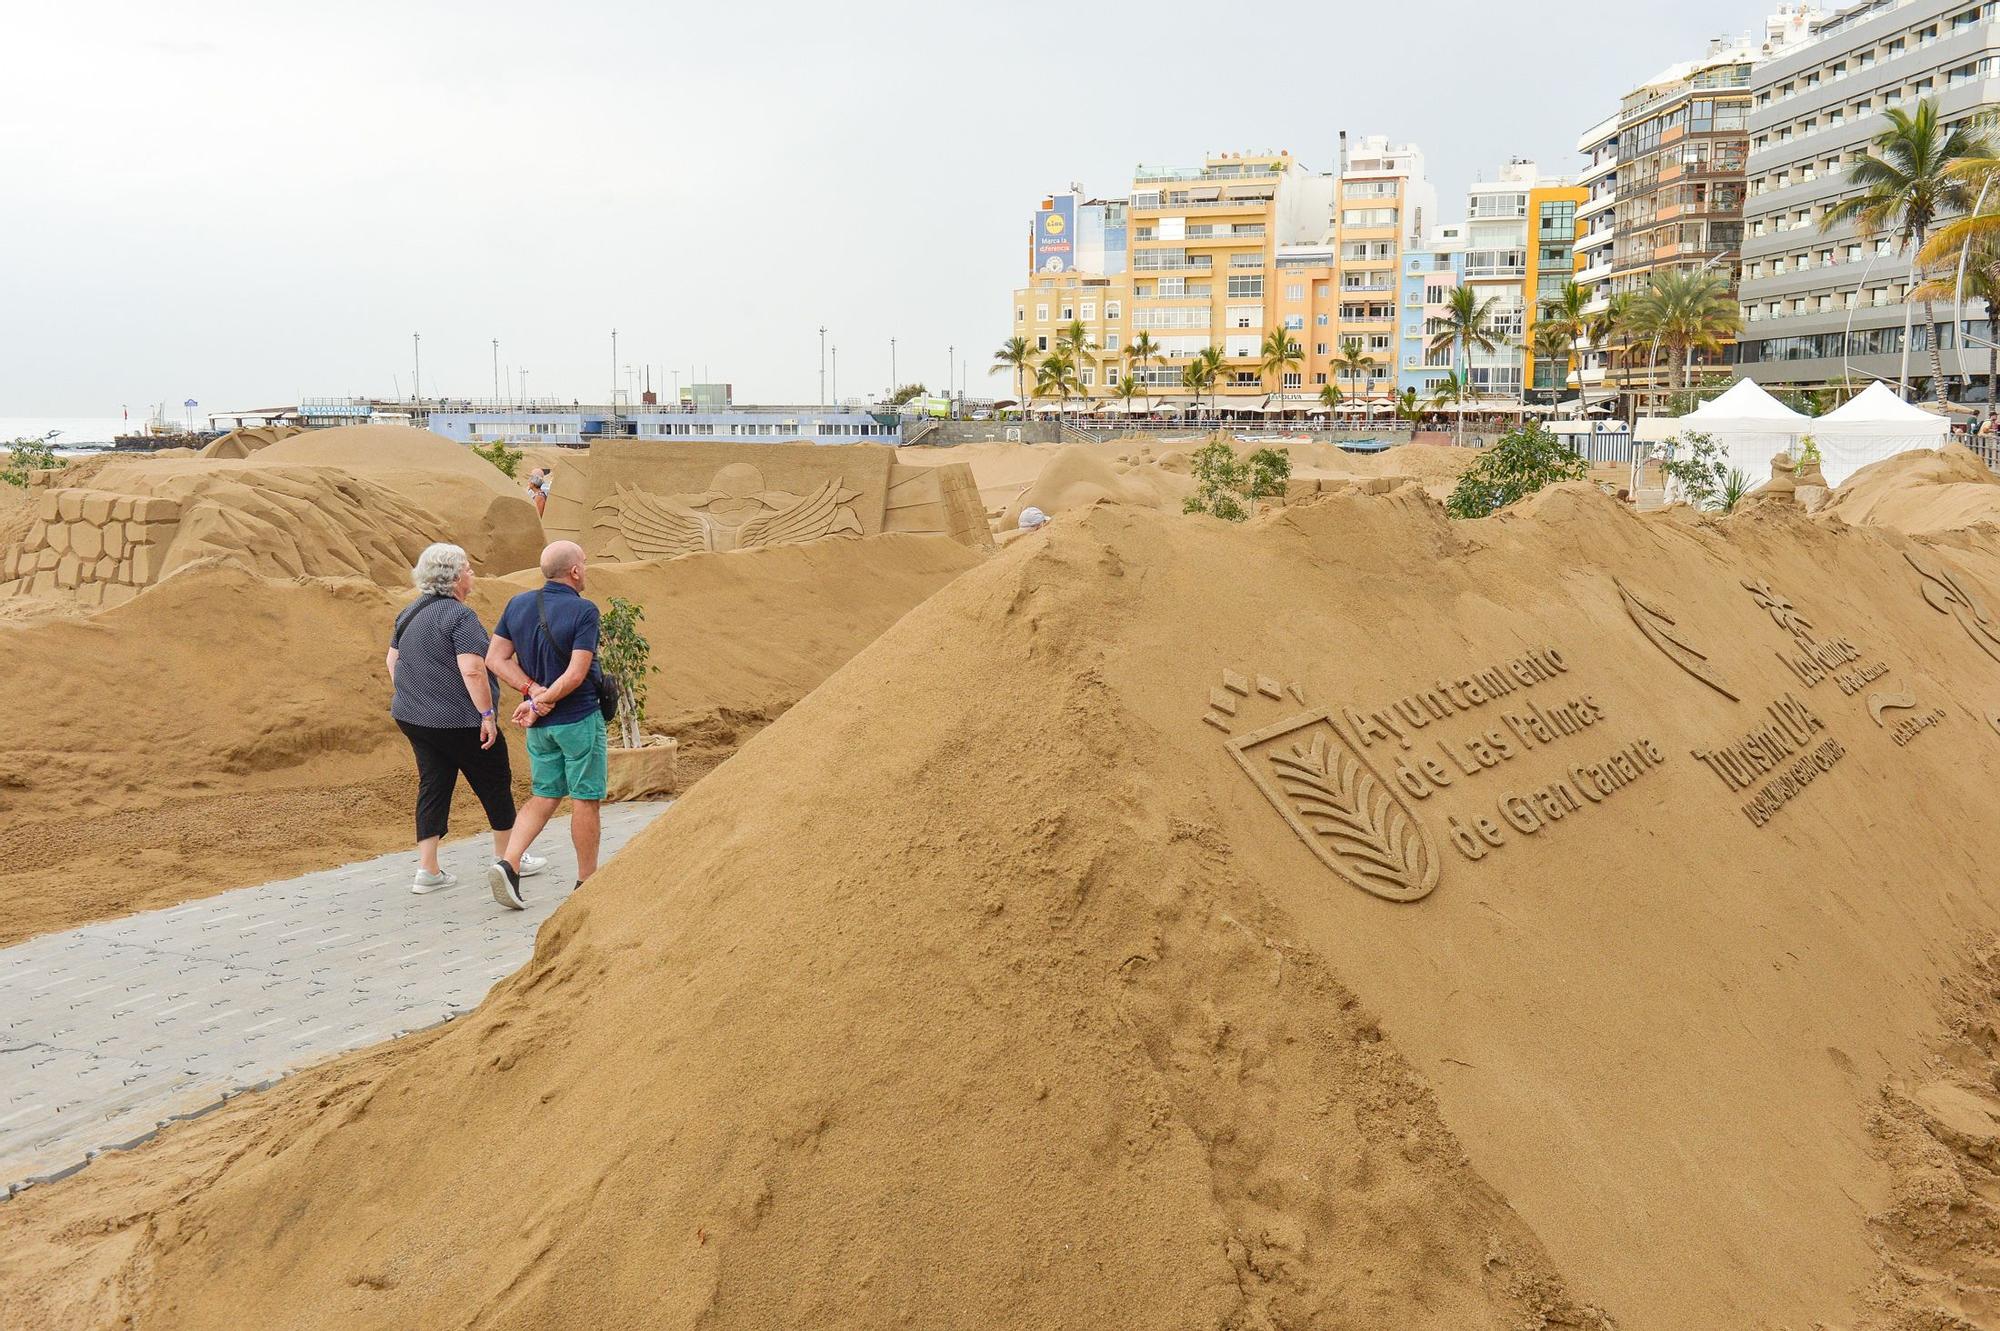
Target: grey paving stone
pixel 109 1030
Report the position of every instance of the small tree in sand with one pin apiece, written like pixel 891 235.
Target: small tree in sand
pixel 508 460
pixel 1524 461
pixel 1224 483
pixel 624 654
pixel 1701 475
pixel 29 455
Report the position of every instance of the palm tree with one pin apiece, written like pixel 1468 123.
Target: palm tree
pixel 1352 360
pixel 1410 407
pixel 1055 377
pixel 1210 358
pixel 1687 310
pixel 1566 312
pixel 1551 341
pixel 1466 326
pixel 1329 397
pixel 1142 352
pixel 1609 328
pixel 1981 281
pixel 1917 172
pixel 1279 353
pixel 1128 388
pixel 1074 339
pixel 1017 353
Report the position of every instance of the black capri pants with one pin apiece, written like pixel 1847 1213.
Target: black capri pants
pixel 442 754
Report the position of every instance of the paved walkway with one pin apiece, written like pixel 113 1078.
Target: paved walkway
pixel 109 1032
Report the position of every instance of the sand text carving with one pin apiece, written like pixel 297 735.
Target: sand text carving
pixel 1794 779
pixel 1526 727
pixel 1947 595
pixel 1447 697
pixel 1658 628
pixel 1739 763
pixel 1581 786
pixel 1340 806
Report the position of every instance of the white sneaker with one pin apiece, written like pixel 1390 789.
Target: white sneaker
pixel 427 881
pixel 532 865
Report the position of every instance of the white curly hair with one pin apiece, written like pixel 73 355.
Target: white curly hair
pixel 438 568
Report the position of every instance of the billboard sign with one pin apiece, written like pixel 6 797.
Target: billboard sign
pixel 1055 235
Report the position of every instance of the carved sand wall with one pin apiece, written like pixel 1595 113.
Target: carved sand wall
pixel 657 500
pixel 101 546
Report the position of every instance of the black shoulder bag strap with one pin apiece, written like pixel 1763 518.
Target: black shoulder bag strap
pixel 607 688
pixel 410 616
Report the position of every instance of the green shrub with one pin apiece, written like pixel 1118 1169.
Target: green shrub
pixel 29 455
pixel 1702 472
pixel 1523 461
pixel 1228 487
pixel 505 458
pixel 624 654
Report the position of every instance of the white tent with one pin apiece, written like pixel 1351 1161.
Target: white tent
pixel 1747 424
pixel 1876 424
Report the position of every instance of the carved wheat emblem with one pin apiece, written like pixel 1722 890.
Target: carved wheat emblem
pixel 1350 817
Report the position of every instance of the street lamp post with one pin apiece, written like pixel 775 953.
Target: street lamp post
pixel 416 368
pixel 822 365
pixel 950 372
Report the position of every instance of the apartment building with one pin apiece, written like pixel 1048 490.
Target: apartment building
pixel 1520 242
pixel 1666 178
pixel 1596 233
pixel 1827 307
pixel 1217 255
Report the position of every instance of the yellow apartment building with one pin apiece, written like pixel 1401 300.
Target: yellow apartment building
pixel 1218 255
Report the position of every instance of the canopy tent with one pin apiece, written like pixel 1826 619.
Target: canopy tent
pixel 1748 425
pixel 1876 424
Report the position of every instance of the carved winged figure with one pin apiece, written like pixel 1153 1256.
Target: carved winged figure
pixel 736 512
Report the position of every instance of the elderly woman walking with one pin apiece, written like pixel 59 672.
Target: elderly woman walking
pixel 444 704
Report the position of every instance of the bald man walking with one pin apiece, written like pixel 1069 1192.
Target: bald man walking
pixel 545 645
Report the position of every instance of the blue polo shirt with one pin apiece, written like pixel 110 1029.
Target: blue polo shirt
pixel 573 622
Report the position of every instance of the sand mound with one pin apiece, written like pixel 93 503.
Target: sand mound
pixel 226 729
pixel 1058 964
pixel 1080 474
pixel 245 440
pixel 1920 492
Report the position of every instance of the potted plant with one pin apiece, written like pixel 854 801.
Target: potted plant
pixel 641 765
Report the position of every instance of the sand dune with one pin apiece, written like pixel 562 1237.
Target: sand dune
pixel 1352 919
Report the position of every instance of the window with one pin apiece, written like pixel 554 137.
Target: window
pixel 1244 316
pixel 1295 322
pixel 1111 376
pixel 1089 376
pixel 1292 379
pixel 1111 341
pixel 1295 291
pixel 1042 343
pixel 1378 341
pixel 1090 311
pixel 1041 314
pixel 1359 217
pixel 1112 309
pixel 1019 314
pixel 1320 377
pixel 1246 286
pixel 1069 313
pixel 1319 321
pixel 1319 348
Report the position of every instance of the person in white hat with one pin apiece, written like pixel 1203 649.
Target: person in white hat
pixel 1033 518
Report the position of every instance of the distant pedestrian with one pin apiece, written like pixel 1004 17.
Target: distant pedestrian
pixel 546 646
pixel 538 488
pixel 444 706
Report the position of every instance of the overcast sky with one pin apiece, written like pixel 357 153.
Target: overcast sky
pixel 246 203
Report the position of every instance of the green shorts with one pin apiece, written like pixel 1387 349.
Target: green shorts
pixel 569 759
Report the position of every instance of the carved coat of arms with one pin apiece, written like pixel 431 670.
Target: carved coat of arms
pixel 734 513
pixel 1354 820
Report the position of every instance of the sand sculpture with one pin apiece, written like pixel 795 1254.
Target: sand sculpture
pixel 356 502
pixel 1046 948
pixel 647 499
pixel 1920 492
pixel 245 440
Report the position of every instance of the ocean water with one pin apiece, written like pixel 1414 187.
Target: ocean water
pixel 75 431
